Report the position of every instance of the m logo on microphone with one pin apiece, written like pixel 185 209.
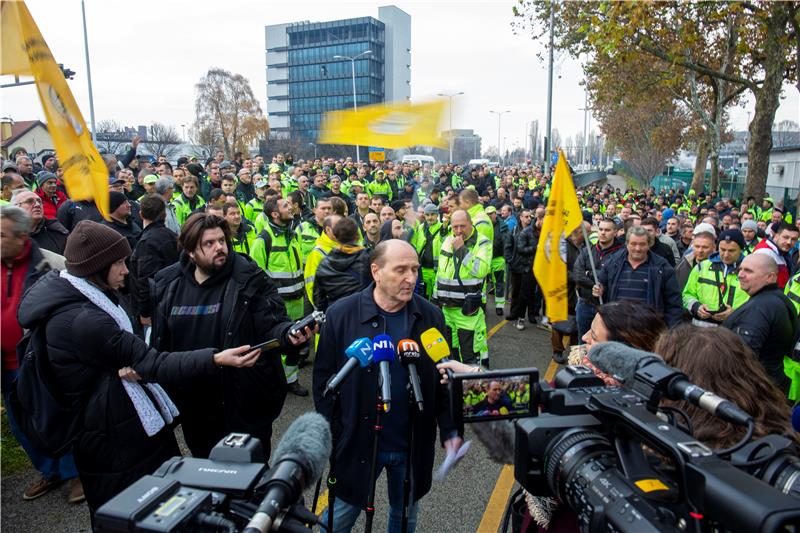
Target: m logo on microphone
pixel 408 347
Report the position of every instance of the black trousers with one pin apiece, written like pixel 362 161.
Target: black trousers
pixel 523 295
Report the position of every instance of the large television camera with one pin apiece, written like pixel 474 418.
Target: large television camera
pixel 621 462
pixel 233 490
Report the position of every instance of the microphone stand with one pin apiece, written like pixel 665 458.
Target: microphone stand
pixel 409 460
pixel 332 469
pixel 370 510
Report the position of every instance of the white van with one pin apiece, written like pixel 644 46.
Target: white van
pixel 421 159
pixel 477 162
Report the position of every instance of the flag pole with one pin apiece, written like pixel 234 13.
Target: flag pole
pixel 88 73
pixel 591 258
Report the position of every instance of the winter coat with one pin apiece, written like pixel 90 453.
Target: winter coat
pixel 50 235
pixel 582 270
pixel 523 248
pixel 662 293
pixel 342 272
pixel 157 248
pixel 351 318
pixel 71 212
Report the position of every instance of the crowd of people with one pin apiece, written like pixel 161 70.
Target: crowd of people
pixel 201 259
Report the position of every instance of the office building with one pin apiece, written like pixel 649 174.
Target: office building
pixel 308 72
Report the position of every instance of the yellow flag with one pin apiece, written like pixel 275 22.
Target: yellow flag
pixel 25 53
pixel 562 217
pixel 386 125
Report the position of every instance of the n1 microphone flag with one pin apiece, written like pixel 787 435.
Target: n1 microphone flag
pixel 562 217
pixel 386 125
pixel 25 53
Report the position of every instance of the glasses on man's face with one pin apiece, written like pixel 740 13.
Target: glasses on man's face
pixel 31 202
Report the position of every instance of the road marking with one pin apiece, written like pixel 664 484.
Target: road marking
pixel 497 502
pixel 505 483
pixel 322 503
pixel 496 328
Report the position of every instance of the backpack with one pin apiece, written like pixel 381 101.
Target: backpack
pixel 50 423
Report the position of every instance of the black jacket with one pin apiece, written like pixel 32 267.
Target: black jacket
pixel 664 250
pixel 348 319
pixel 86 348
pixel 51 235
pixel 252 312
pixel 341 273
pixel 521 249
pixel 662 293
pixel 130 231
pixel 501 237
pixel 157 248
pixel 71 212
pixel 767 323
pixel 582 270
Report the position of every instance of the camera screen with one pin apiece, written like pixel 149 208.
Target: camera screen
pixel 495 395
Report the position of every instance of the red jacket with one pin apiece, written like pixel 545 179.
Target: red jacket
pixel 766 246
pixel 12 283
pixel 51 204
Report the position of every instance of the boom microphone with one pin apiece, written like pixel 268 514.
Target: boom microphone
pixel 298 462
pixel 624 363
pixel 359 353
pixel 436 348
pixel 383 354
pixel 408 353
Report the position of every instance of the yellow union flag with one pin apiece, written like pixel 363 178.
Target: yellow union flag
pixel 562 217
pixel 385 125
pixel 25 53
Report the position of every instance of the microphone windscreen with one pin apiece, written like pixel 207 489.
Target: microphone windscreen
pixel 382 348
pixel 361 349
pixel 308 437
pixel 618 360
pixel 408 352
pixel 498 439
pixel 435 345
pixel 796 418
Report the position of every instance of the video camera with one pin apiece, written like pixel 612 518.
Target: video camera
pixel 233 490
pixel 622 463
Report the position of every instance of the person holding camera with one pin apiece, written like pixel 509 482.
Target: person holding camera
pixel 96 360
pixel 464 263
pixel 215 297
pixel 712 291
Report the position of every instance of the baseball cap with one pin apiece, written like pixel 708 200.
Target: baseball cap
pixel 152 178
pixel 114 180
pixel 356 183
pixel 490 209
pixel 431 209
pixel 704 227
pixel 261 184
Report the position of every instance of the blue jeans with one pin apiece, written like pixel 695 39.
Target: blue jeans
pixel 345 514
pixel 584 314
pixel 61 468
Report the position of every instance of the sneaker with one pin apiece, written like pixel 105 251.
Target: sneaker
pixel 520 325
pixel 297 389
pixel 40 488
pixel 499 311
pixel 75 491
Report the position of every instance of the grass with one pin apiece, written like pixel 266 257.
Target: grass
pixel 13 458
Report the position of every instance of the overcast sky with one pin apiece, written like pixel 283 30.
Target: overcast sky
pixel 146 56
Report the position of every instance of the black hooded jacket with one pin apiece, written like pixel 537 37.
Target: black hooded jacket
pixel 341 273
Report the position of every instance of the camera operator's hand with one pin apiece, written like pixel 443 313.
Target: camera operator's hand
pixel 455 366
pixel 702 312
pixel 302 336
pixel 237 357
pixel 722 315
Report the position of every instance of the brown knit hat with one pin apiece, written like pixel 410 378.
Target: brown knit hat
pixel 91 247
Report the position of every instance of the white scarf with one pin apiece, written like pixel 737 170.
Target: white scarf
pixel 153 419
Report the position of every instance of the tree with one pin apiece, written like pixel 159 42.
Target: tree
pixel 162 139
pixel 227 111
pixel 787 133
pixel 110 136
pixel 759 38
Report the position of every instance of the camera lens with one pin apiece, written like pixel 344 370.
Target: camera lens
pixel 783 473
pixel 573 460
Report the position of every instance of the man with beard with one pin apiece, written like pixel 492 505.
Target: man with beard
pixel 215 297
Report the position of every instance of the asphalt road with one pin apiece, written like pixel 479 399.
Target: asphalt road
pixel 459 503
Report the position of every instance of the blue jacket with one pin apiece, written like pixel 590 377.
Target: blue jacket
pixel 346 320
pixel 663 293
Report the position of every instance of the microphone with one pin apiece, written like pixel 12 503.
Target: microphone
pixel 359 353
pixel 408 353
pixel 298 462
pixel 383 354
pixel 436 348
pixel 628 364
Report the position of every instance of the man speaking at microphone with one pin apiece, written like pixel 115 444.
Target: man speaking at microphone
pixel 388 306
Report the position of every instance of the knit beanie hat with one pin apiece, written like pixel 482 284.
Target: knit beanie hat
pixel 115 199
pixel 91 247
pixel 732 235
pixel 750 224
pixel 44 176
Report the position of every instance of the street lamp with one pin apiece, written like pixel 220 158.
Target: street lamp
pixel 450 96
pixel 353 70
pixel 315 149
pixel 499 115
pixel 183 127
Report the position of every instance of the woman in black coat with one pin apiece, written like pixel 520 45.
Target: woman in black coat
pixel 97 362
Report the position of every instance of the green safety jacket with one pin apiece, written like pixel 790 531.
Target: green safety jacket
pixel 748 248
pixel 792 291
pixel 277 251
pixel 456 181
pixel 713 284
pixel 481 221
pixel 244 238
pixel 183 206
pixel 322 247
pixel 379 187
pixel 252 209
pixel 471 264
pixel 308 232
pixel 427 241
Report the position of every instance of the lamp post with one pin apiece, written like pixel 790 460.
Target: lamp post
pixel 183 127
pixel 450 96
pixel 499 116
pixel 315 149
pixel 353 70
pixel 88 74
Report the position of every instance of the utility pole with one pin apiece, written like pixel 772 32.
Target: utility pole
pixel 549 139
pixel 499 116
pixel 450 134
pixel 88 73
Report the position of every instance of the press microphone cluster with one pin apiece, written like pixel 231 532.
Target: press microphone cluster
pixel 623 363
pixel 359 353
pixel 383 354
pixel 408 353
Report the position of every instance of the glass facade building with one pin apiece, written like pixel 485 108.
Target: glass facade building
pixel 304 80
